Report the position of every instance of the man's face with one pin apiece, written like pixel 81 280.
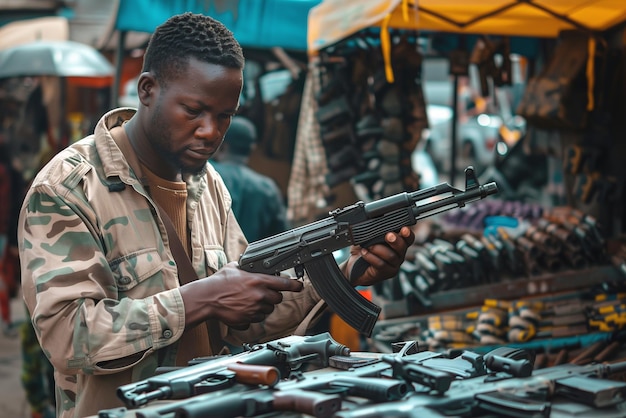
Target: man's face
pixel 190 115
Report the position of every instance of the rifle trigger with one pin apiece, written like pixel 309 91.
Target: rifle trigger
pixel 299 269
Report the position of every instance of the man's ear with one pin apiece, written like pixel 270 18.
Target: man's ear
pixel 146 88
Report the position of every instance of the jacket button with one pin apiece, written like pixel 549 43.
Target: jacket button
pixel 125 280
pixel 167 334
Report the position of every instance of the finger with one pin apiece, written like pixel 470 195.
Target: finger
pixel 259 317
pixel 400 241
pixel 377 263
pixel 283 283
pixel 272 298
pixel 266 309
pixel 408 234
pixel 381 255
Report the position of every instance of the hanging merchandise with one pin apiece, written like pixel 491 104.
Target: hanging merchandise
pixel 561 96
pixel 336 119
pixel 484 57
pixel 370 123
pixel 307 189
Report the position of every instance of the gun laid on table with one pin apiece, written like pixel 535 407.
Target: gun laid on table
pixel 502 382
pixel 237 401
pixel 284 355
pixel 310 247
pixel 387 378
pixel 560 389
pixel 320 395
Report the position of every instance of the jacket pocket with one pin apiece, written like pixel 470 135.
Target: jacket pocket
pixel 135 268
pixel 215 258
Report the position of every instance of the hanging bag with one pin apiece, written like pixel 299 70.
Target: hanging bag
pixel 557 98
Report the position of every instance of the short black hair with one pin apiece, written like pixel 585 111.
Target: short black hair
pixel 190 35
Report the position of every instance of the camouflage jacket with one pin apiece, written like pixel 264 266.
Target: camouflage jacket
pixel 99 280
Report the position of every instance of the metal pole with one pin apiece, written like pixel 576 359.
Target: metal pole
pixel 455 103
pixel 119 61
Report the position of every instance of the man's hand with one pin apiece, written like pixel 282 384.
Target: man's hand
pixel 384 260
pixel 234 296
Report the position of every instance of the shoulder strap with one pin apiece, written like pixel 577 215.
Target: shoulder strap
pixel 304 325
pixel 186 274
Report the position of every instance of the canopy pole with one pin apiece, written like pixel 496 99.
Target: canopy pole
pixel 455 111
pixel 119 61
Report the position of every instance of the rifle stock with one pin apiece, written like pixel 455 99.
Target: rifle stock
pixel 310 247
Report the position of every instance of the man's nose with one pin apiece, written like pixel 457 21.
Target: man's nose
pixel 208 129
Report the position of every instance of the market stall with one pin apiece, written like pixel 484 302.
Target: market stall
pixel 522 22
pixel 360 53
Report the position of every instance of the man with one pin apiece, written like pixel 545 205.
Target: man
pixel 99 276
pixel 257 201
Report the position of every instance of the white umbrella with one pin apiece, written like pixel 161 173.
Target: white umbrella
pixel 54 58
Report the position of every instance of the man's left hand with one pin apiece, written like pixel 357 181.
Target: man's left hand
pixel 384 260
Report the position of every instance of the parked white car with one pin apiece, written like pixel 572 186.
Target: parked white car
pixel 476 139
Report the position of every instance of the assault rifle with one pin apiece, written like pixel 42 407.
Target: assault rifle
pixel 564 390
pixel 282 355
pixel 310 247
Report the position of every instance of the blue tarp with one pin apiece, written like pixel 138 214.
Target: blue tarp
pixel 255 23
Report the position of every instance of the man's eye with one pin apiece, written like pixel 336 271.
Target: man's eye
pixel 192 111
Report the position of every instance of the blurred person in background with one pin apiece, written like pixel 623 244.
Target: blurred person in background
pixel 37 374
pixel 24 128
pixel 6 281
pixel 258 203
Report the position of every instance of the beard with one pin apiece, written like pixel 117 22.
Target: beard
pixel 160 139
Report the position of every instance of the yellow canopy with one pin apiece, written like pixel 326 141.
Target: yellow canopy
pixel 333 20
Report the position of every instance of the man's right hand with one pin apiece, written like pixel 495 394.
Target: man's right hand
pixel 234 296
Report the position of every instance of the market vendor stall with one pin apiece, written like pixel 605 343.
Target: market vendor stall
pixel 360 53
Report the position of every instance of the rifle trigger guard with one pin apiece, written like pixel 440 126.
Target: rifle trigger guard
pixel 218 381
